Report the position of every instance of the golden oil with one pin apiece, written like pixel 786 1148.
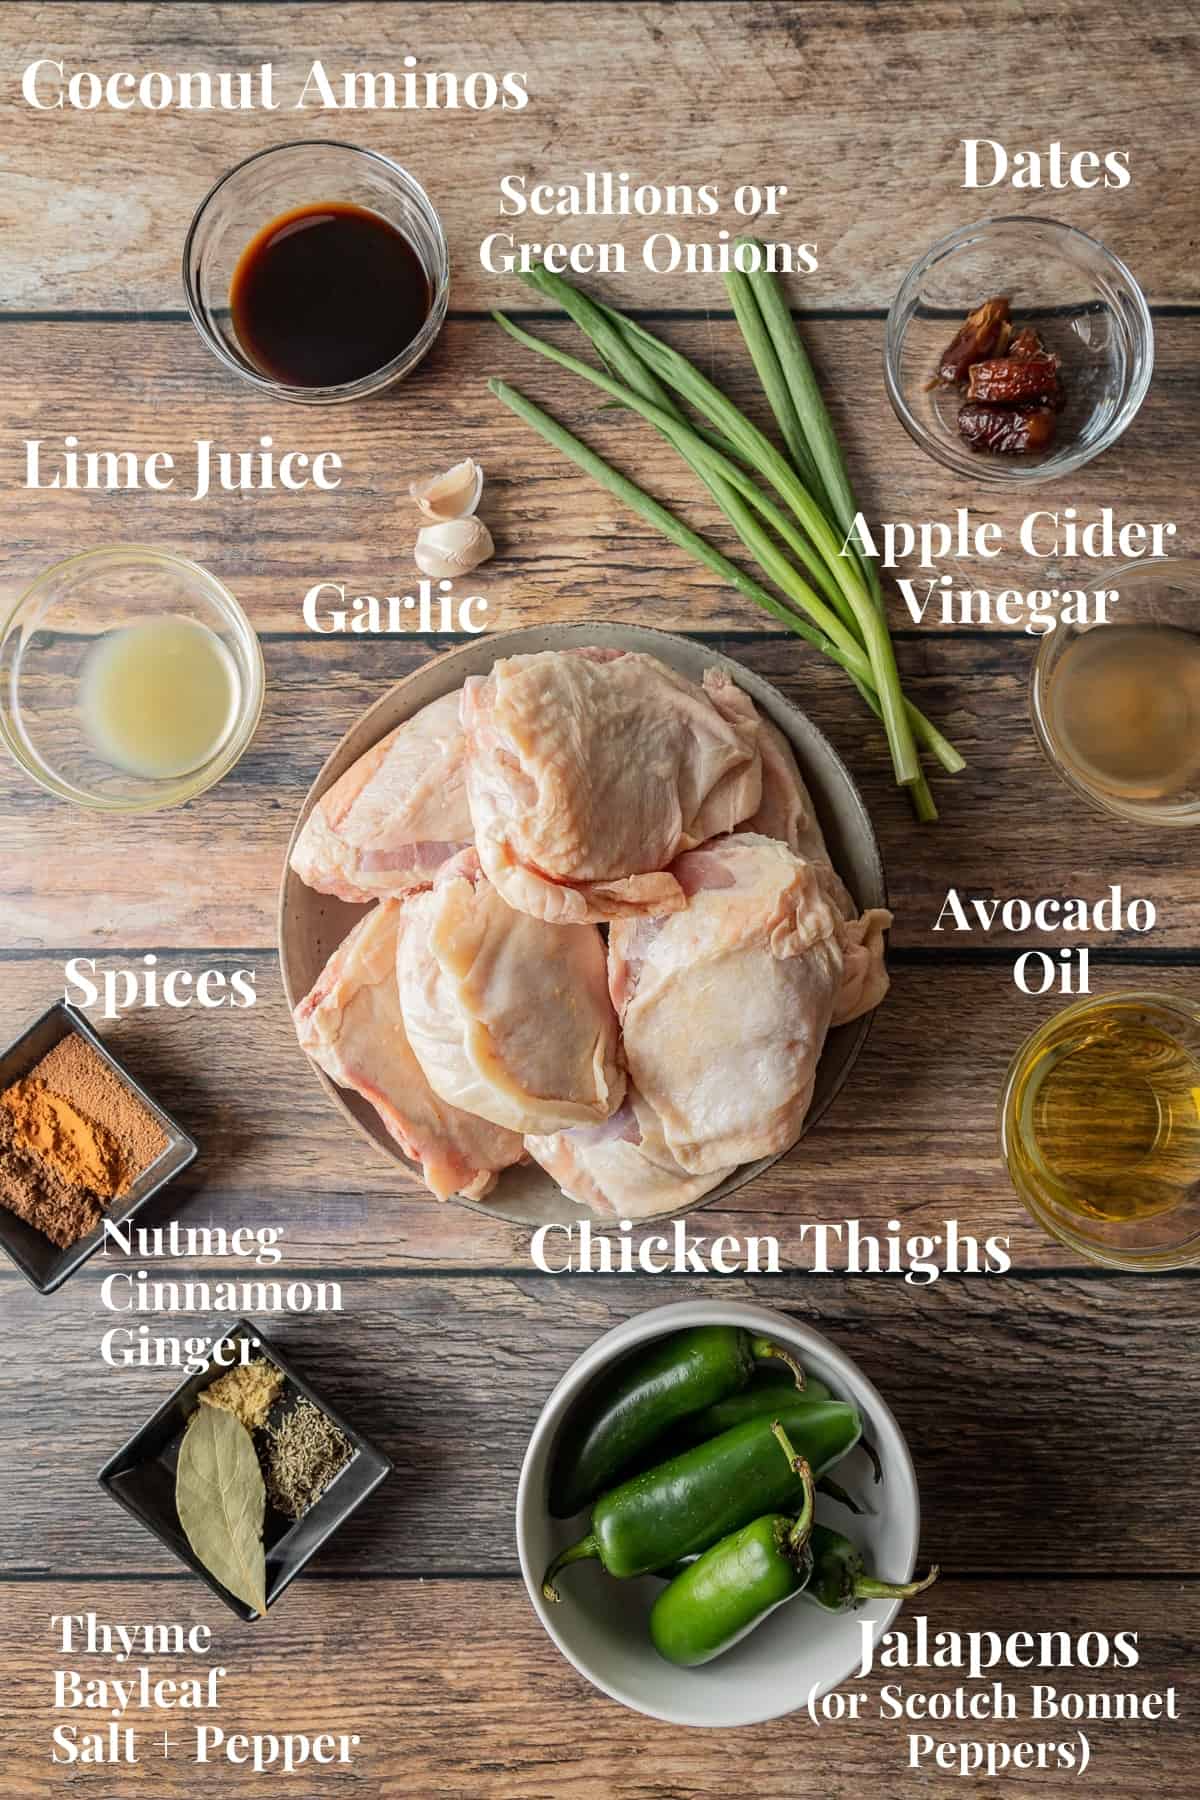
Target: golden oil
pixel 1103 1113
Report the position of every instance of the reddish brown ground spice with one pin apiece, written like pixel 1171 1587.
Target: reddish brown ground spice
pixel 59 1162
pixel 28 1187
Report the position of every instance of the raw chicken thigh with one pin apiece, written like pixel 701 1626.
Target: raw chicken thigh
pixel 725 1006
pixel 508 1016
pixel 390 822
pixel 864 972
pixel 589 771
pixel 476 1007
pixel 786 812
pixel 623 1166
pixel 351 1026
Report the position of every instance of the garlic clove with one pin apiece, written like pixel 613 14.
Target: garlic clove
pixel 452 547
pixel 454 495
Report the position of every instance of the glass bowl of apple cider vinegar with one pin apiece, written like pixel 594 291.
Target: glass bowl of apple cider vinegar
pixel 130 680
pixel 1100 1128
pixel 1116 706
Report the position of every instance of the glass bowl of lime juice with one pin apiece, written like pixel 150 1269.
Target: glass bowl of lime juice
pixel 130 680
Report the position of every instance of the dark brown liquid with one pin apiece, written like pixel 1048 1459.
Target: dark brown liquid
pixel 327 294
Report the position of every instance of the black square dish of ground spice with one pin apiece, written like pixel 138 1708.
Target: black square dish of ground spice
pixel 142 1475
pixel 41 1261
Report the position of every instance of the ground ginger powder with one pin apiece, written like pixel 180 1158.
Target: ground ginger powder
pixel 79 1150
pixel 248 1391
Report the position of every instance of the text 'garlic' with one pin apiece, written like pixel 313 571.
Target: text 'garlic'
pixel 454 495
pixel 453 547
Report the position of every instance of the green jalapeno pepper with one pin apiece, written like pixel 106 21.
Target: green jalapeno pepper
pixel 840 1580
pixel 762 1399
pixel 682 1506
pixel 735 1585
pixel 645 1397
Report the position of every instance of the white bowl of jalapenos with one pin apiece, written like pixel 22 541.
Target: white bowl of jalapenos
pixel 717 1510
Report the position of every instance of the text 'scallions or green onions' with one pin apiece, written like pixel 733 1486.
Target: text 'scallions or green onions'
pixel 791 512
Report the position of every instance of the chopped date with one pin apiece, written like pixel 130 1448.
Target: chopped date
pixel 1008 431
pixel 1026 343
pixel 981 335
pixel 1014 388
pixel 1012 380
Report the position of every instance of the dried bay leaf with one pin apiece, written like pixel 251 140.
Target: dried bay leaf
pixel 221 1501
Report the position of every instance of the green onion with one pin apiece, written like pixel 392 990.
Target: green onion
pixel 808 403
pixel 694 387
pixel 855 664
pixel 655 513
pixel 617 356
pixel 758 450
pixel 833 600
pixel 776 387
pixel 711 463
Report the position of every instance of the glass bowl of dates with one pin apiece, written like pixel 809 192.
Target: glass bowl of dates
pixel 1017 350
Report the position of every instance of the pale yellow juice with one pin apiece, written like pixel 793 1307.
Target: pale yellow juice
pixel 159 698
pixel 1124 708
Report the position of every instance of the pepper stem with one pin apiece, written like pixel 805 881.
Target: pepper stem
pixel 762 1348
pixel 867 1588
pixel 586 1548
pixel 836 1491
pixel 801 1531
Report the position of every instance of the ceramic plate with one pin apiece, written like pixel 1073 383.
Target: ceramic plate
pixel 312 925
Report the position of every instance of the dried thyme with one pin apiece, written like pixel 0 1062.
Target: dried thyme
pixel 303 1454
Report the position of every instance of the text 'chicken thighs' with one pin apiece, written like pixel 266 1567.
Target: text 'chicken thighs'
pixel 589 771
pixel 725 1006
pixel 509 1017
pixel 351 1025
pixel 387 825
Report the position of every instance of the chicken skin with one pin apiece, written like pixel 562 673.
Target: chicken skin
pixel 623 1166
pixel 509 1017
pixel 387 825
pixel 725 1006
pixel 478 1008
pixel 352 1027
pixel 589 771
pixel 786 812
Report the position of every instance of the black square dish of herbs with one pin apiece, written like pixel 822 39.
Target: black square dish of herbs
pixel 141 1476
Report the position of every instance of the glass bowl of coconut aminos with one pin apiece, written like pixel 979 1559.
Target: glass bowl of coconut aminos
pixel 130 680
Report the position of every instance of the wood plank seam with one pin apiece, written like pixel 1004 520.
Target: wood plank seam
pixel 473 315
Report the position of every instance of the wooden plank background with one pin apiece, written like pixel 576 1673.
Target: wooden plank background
pixel 914 1140
pixel 450 1685
pixel 859 111
pixel 1052 1413
pixel 446 1373
pixel 565 547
